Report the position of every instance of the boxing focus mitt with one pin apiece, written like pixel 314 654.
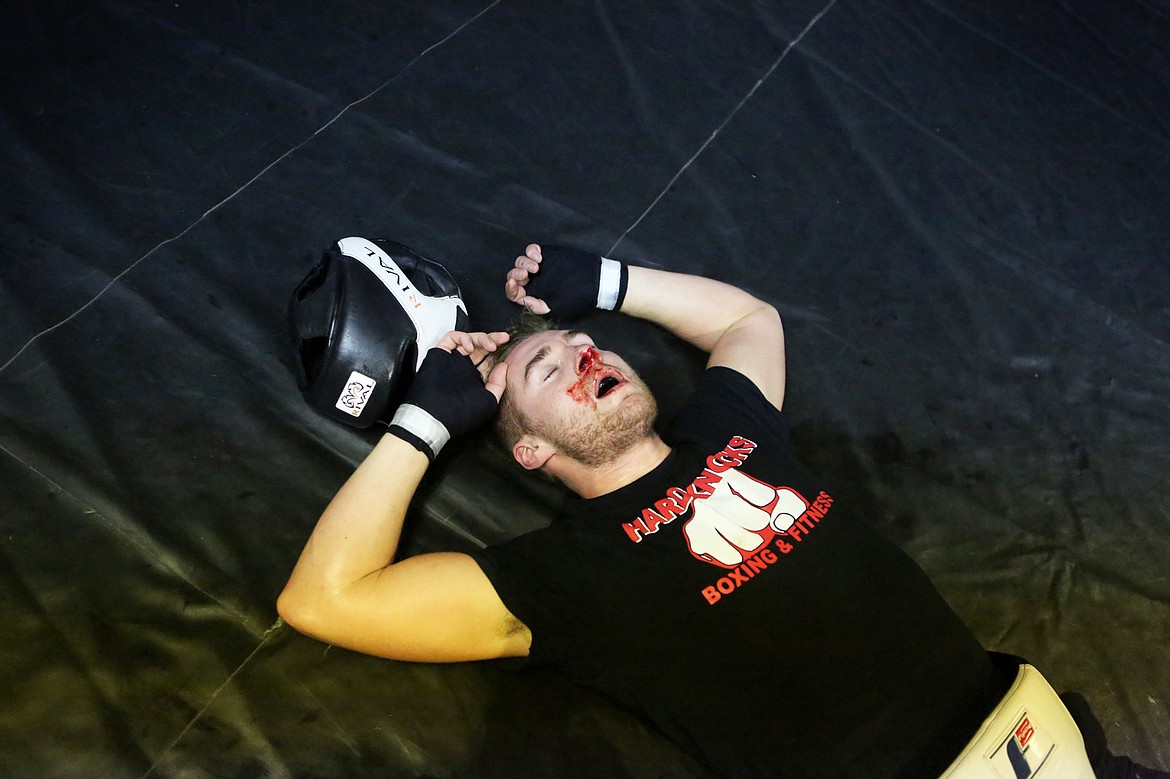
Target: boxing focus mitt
pixel 362 321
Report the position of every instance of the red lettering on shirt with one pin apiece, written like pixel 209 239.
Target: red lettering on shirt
pixel 636 529
pixel 652 519
pixel 739 576
pixel 678 500
pixel 669 508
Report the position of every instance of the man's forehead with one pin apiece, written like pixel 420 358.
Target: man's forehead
pixel 533 344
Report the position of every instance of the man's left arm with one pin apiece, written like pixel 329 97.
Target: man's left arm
pixel 737 329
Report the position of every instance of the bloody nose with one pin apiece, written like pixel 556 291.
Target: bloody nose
pixel 586 359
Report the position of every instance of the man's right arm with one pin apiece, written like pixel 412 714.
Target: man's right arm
pixel 347 589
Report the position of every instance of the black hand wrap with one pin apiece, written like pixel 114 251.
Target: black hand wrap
pixel 447 398
pixel 574 282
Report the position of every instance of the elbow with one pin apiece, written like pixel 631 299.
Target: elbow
pixel 769 317
pixel 753 311
pixel 297 611
pixel 313 614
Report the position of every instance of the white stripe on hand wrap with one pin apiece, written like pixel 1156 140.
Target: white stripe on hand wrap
pixel 431 431
pixel 611 284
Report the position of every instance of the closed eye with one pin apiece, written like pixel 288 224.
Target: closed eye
pixel 535 361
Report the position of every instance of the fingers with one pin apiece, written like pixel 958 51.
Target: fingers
pixel 448 342
pixel 535 305
pixel 515 283
pixel 459 341
pixel 474 345
pixel 514 290
pixel 485 343
pixel 531 258
pixel 520 297
pixel 517 280
pixel 497 380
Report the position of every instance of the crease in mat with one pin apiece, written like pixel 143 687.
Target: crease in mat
pixel 727 120
pixel 212 699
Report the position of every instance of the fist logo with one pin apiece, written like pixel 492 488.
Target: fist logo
pixel 739 517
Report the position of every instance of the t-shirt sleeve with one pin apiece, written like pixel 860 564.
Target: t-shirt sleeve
pixel 724 404
pixel 496 570
pixel 526 581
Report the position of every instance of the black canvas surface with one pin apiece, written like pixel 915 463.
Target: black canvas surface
pixel 960 210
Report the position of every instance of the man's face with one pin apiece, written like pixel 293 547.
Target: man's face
pixel 589 404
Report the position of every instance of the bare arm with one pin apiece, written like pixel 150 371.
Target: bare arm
pixel 346 588
pixel 737 329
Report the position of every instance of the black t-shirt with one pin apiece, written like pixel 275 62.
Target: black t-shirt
pixel 728 598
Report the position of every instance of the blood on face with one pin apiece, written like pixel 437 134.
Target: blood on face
pixel 579 391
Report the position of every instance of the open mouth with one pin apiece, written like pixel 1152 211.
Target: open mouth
pixel 596 375
pixel 607 385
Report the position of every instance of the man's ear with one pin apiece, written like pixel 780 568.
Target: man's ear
pixel 532 452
